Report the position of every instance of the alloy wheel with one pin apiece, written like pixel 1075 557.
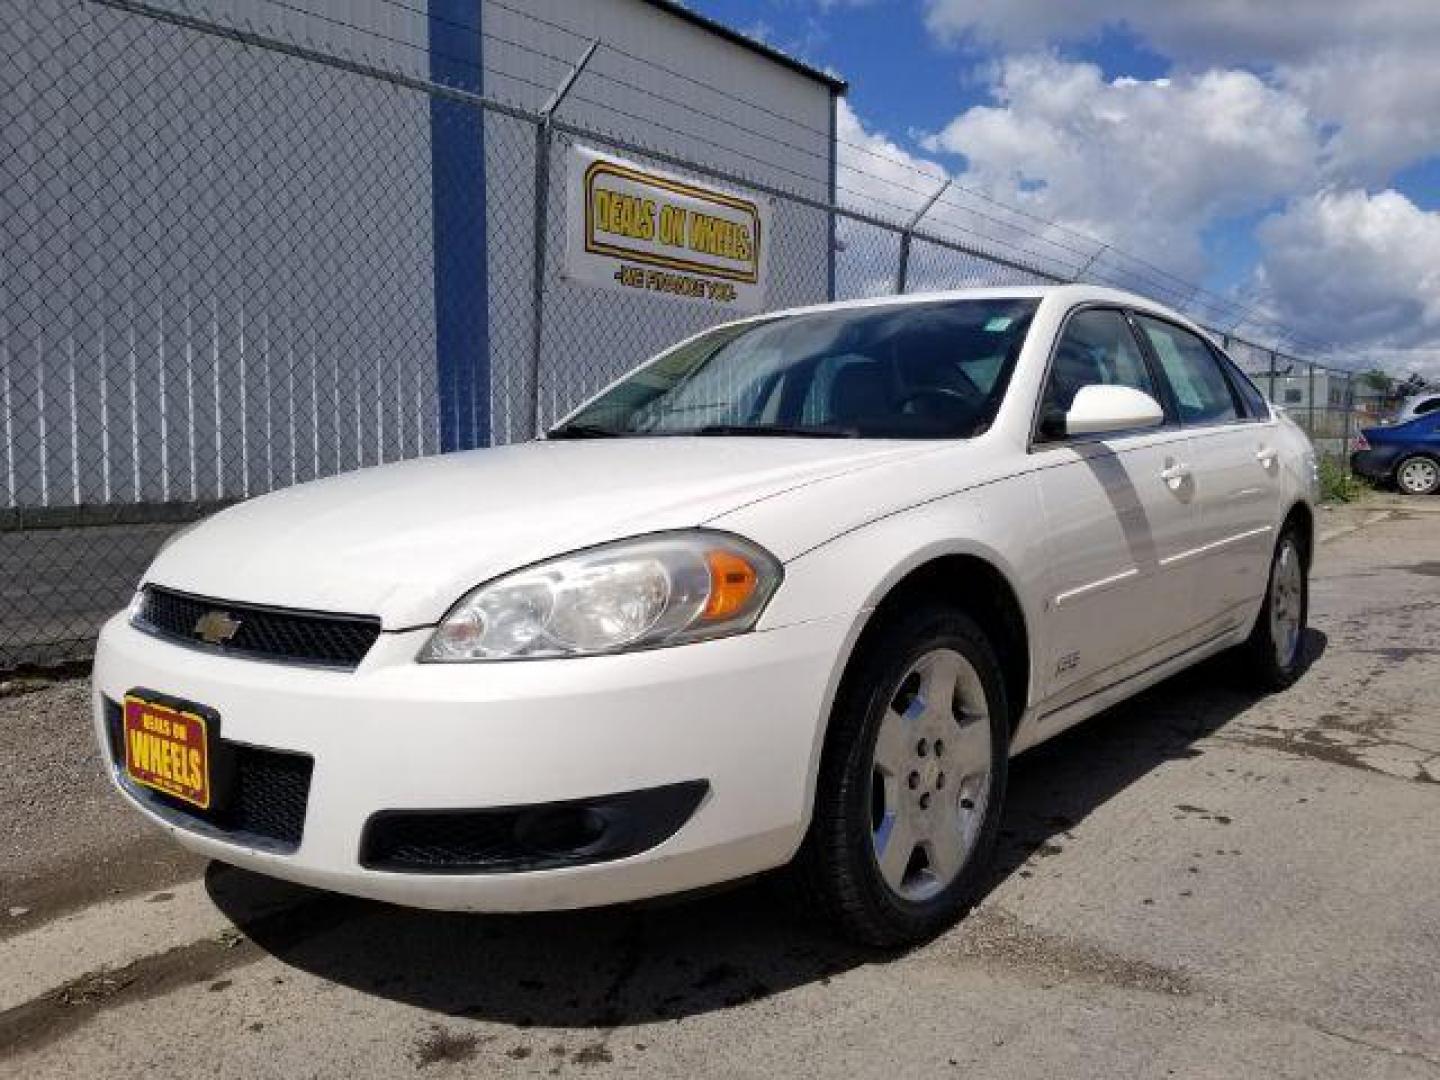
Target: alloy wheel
pixel 1287 603
pixel 1419 476
pixel 930 775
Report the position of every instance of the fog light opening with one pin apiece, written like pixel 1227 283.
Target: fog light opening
pixel 563 831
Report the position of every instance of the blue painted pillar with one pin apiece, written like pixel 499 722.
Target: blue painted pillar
pixel 457 193
pixel 834 191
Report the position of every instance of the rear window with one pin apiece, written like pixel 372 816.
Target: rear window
pixel 1253 401
pixel 1201 390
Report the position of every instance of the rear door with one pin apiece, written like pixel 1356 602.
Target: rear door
pixel 1235 464
pixel 1119 511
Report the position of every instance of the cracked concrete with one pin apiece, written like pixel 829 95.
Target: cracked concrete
pixel 1200 883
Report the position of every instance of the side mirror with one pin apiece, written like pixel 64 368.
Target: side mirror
pixel 1098 409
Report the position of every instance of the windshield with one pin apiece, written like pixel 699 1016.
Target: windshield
pixel 929 370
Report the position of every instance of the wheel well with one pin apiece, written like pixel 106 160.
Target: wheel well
pixel 1303 521
pixel 1406 455
pixel 977 588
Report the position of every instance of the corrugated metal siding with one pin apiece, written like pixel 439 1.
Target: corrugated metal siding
pixel 191 306
pixel 216 263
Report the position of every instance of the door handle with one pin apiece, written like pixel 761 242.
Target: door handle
pixel 1176 474
pixel 1267 456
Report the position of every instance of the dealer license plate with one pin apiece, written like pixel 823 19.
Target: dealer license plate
pixel 167 748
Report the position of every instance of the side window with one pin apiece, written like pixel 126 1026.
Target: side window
pixel 1096 347
pixel 1427 406
pixel 1200 388
pixel 1250 397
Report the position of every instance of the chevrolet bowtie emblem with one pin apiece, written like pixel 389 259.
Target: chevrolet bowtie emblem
pixel 216 627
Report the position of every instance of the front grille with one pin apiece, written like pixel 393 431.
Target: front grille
pixel 258 632
pixel 265 806
pixel 519 838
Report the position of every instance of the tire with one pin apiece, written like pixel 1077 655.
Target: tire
pixel 884 782
pixel 1275 651
pixel 1418 474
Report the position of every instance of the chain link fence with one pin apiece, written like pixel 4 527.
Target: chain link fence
pixel 217 279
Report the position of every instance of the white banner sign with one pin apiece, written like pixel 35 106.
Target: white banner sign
pixel 638 230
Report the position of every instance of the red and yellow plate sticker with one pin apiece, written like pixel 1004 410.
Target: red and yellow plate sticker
pixel 166 749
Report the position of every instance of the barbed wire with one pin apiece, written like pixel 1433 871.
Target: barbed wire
pixel 1141 274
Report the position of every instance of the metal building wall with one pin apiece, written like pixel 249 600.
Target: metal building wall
pixel 187 309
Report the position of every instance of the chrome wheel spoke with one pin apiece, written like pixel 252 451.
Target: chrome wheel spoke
pixel 893 743
pixel 894 847
pixel 967 747
pixel 938 679
pixel 945 851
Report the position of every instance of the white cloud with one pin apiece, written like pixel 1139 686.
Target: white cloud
pixel 1383 107
pixel 1310 107
pixel 1364 68
pixel 876 174
pixel 1357 269
pixel 1142 165
pixel 1198 32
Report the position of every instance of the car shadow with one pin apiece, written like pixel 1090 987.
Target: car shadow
pixel 643 963
pixel 1059 783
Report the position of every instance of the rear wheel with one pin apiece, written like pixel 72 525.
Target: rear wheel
pixel 1418 475
pixel 911 782
pixel 1276 648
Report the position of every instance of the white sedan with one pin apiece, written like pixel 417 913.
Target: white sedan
pixel 789 595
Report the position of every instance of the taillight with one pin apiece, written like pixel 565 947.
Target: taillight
pixel 1360 442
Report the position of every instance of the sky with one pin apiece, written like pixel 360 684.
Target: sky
pixel 1283 155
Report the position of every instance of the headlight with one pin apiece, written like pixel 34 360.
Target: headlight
pixel 635 594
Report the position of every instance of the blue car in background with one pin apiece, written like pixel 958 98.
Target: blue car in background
pixel 1407 455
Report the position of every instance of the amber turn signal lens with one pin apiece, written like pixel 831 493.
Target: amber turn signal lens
pixel 732 583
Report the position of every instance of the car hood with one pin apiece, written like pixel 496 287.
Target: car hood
pixel 405 541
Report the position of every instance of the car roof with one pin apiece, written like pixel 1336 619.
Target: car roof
pixel 1066 293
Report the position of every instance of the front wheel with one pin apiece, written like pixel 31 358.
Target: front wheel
pixel 1276 648
pixel 1418 475
pixel 912 780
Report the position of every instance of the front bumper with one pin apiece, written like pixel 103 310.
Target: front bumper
pixel 743 715
pixel 1375 464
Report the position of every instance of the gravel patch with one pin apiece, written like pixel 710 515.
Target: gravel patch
pixel 66 839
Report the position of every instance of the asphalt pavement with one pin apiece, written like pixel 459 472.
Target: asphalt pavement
pixel 1200 883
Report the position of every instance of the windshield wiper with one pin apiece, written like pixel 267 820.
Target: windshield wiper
pixel 583 431
pixel 777 430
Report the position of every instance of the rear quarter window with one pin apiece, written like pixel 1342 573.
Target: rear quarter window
pixel 1252 400
pixel 1201 390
